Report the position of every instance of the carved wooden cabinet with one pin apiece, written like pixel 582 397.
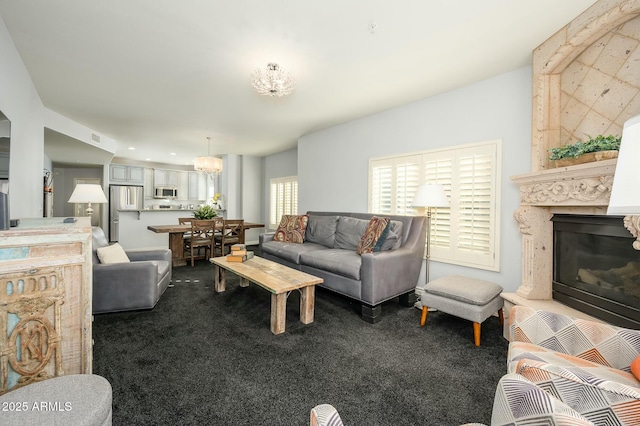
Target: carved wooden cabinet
pixel 45 301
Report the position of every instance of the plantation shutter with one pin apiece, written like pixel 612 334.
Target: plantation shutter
pixel 476 201
pixel 464 233
pixel 407 182
pixel 439 169
pixel 381 191
pixel 393 184
pixel 283 199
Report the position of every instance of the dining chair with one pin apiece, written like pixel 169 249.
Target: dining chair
pixel 185 221
pixel 232 233
pixel 202 238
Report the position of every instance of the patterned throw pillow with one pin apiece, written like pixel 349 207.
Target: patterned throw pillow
pixel 376 232
pixel 292 228
pixel 635 367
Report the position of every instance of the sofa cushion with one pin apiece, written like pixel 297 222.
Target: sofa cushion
pixel 374 235
pixel 349 231
pixel 322 230
pixel 112 254
pixel 292 228
pixel 290 251
pixel 394 236
pixel 337 261
pixel 464 289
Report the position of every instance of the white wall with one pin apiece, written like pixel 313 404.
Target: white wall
pixel 252 195
pixel 231 185
pixel 22 105
pixel 278 165
pixel 333 163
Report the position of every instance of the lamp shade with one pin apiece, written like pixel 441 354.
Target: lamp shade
pixel 208 164
pixel 430 195
pixel 87 193
pixel 625 193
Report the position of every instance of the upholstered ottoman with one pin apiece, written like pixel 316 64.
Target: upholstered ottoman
pixel 469 298
pixel 76 399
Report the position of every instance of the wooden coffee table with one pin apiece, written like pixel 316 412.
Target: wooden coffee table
pixel 280 280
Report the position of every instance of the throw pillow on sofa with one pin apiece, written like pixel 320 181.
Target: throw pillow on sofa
pixel 112 254
pixel 394 237
pixel 635 367
pixel 374 235
pixel 292 228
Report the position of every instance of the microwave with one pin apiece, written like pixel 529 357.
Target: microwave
pixel 165 192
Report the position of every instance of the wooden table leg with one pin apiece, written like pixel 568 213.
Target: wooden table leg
pixel 244 282
pixel 307 304
pixel 278 312
pixel 176 244
pixel 220 279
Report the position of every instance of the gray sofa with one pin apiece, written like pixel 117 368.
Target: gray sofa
pixel 129 286
pixel 329 252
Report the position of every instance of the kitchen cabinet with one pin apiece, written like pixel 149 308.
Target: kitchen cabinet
pixel 183 186
pixel 45 301
pixel 162 177
pixel 126 174
pixel 148 184
pixel 197 186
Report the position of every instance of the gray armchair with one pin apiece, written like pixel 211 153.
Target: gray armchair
pixel 129 286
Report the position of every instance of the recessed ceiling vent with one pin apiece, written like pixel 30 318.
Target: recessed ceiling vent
pixel 95 138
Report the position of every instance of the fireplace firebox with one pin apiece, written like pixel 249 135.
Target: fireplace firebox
pixel 596 270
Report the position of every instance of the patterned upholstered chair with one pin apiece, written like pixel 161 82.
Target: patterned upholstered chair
pixel 517 402
pixel 325 415
pixel 585 364
pixel 520 402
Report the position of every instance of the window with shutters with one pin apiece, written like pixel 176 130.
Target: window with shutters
pixel 466 233
pixel 283 199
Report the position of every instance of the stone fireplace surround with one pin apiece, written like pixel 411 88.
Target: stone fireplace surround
pixel 594 57
pixel 583 189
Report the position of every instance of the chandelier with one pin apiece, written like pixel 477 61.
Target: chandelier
pixel 209 165
pixel 272 81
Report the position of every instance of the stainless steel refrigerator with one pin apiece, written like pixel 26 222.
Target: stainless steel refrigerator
pixel 122 197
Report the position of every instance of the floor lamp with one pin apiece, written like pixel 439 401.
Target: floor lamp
pixel 88 193
pixel 430 196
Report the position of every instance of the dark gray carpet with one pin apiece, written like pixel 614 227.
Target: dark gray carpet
pixel 204 358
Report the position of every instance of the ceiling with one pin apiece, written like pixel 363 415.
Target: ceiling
pixel 160 76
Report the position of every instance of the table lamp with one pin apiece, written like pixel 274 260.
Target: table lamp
pixel 430 196
pixel 625 195
pixel 88 193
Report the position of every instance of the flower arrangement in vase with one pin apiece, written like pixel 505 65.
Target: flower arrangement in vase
pixel 218 200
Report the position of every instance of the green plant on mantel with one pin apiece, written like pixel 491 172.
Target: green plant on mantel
pixel 205 212
pixel 599 143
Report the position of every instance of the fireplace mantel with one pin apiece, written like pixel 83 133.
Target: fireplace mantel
pixel 584 83
pixel 581 185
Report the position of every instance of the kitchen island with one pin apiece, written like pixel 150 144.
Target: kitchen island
pixel 176 235
pixel 133 233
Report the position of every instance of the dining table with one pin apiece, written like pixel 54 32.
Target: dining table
pixel 176 238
